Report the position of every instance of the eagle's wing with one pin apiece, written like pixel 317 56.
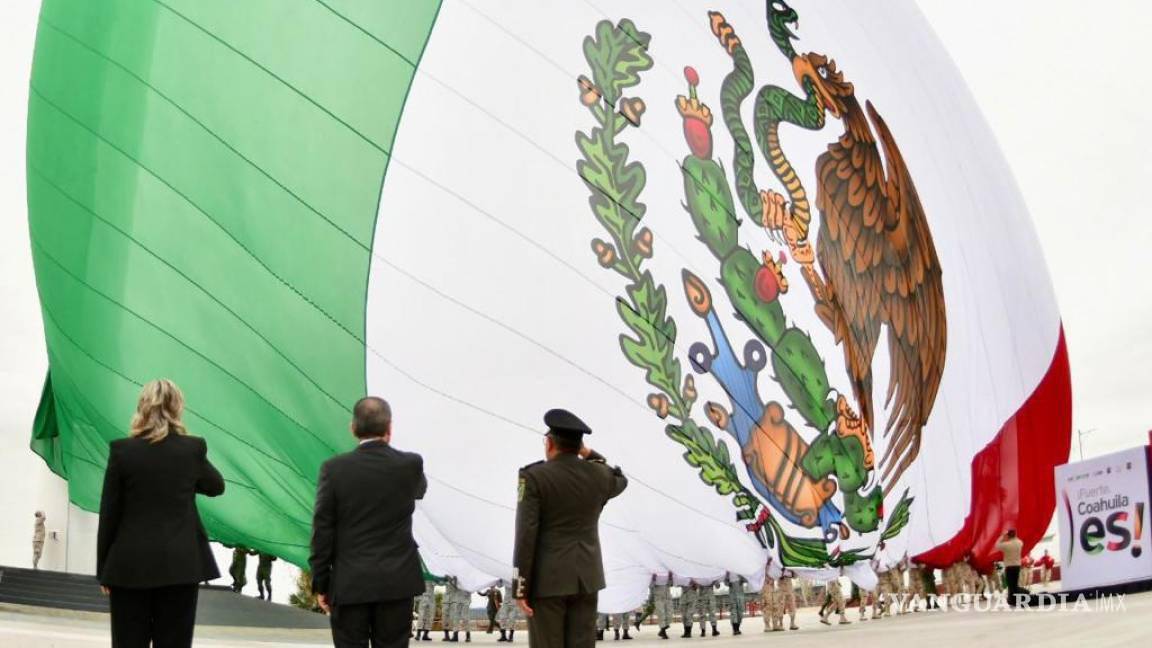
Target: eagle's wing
pixel 913 297
pixel 880 267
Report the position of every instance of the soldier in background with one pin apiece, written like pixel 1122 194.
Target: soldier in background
pixel 805 591
pixel 492 608
pixel 1046 564
pixel 662 603
pixel 508 615
pixel 559 570
pixel 735 600
pixel 448 607
pixel 1026 564
pixel 425 610
pixel 620 622
pixel 463 614
pixel 264 575
pixel 239 569
pixel 915 588
pixel 897 590
pixel 706 607
pixel 835 603
pixel 38 536
pixel 601 626
pixel 688 596
pixel 787 594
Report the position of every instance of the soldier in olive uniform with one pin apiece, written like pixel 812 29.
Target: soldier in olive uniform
pixel 662 603
pixel 736 601
pixel 558 568
pixel 915 587
pixel 706 607
pixel 787 594
pixel 688 595
pixel 264 575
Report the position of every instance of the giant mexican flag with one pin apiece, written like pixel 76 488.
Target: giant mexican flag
pixel 771 254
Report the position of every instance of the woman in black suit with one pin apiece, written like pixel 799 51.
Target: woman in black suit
pixel 151 549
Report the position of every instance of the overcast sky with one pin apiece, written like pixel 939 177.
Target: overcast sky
pixel 1064 85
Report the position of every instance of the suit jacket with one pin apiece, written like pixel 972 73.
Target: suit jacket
pixel 362 545
pixel 150 534
pixel 557 550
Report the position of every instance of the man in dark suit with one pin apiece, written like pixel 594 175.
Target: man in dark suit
pixel 365 566
pixel 558 569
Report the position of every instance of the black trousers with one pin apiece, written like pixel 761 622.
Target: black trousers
pixel 385 624
pixel 563 621
pixel 161 617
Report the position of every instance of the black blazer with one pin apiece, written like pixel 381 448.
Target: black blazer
pixel 362 545
pixel 150 533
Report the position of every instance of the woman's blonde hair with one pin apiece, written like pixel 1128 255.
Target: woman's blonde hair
pixel 158 411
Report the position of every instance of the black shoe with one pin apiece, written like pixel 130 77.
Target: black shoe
pixel 663 633
pixel 599 635
pixel 702 631
pixel 736 629
pixel 468 637
pixel 627 637
pixel 447 636
pixel 687 631
pixel 511 633
pixel 503 636
pixel 456 636
pixel 715 632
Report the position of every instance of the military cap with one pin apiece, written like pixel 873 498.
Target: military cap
pixel 565 424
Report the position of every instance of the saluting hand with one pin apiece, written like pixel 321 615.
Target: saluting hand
pixel 525 609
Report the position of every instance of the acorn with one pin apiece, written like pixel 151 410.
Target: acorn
pixel 689 388
pixel 605 253
pixel 632 109
pixel 643 243
pixel 659 403
pixel 589 93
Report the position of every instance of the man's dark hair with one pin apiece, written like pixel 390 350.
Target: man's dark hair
pixel 371 417
pixel 1011 533
pixel 565 444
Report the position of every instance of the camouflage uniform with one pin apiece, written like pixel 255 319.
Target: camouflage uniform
pixel 787 598
pixel 897 589
pixel 706 607
pixel 448 607
pixel 773 615
pixel 688 596
pixel 836 595
pixel 426 609
pixel 463 616
pixel 508 614
pixel 736 601
pixel 915 587
pixel 662 604
pixel 38 536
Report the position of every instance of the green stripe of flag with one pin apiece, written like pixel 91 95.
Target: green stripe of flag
pixel 203 178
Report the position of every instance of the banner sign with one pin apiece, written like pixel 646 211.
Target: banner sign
pixel 1103 511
